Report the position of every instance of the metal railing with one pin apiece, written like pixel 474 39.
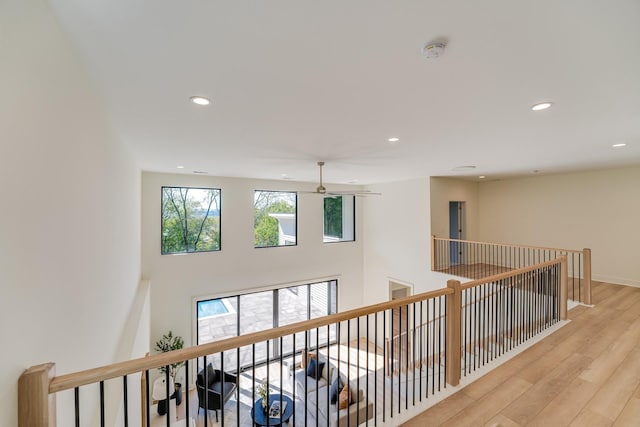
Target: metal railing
pixel 475 260
pixel 443 330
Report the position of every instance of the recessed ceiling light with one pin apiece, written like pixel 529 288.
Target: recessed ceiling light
pixel 285 176
pixel 542 106
pixel 482 177
pixel 180 167
pixel 394 139
pixel 622 144
pixel 199 100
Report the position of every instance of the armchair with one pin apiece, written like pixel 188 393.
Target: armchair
pixel 214 396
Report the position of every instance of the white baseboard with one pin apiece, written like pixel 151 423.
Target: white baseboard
pixel 617 280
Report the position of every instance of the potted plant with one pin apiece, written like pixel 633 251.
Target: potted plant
pixel 263 391
pixel 169 342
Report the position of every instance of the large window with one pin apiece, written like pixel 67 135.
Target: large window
pixel 190 220
pixel 222 318
pixel 339 219
pixel 275 220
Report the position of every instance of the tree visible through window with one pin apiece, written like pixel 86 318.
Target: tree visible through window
pixel 339 219
pixel 275 221
pixel 190 220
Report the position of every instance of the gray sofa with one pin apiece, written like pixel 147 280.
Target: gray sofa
pixel 318 402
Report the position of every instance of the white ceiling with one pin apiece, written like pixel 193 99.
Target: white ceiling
pixel 297 81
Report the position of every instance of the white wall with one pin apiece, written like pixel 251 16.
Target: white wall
pixel 598 210
pixel 445 190
pixel 238 267
pixel 70 218
pixel 397 236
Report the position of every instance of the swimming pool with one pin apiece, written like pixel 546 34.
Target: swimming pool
pixel 214 307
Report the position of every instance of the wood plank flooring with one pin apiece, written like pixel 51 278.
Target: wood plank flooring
pixel 585 374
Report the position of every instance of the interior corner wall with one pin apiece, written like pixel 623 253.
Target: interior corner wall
pixel 240 267
pixel 445 190
pixel 597 210
pixel 70 222
pixel 397 239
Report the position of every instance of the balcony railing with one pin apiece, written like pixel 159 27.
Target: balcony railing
pixel 448 333
pixel 474 260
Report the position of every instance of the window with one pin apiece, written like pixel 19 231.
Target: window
pixel 227 317
pixel 275 220
pixel 339 219
pixel 190 220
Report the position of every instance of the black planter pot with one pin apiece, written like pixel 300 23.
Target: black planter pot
pixel 177 395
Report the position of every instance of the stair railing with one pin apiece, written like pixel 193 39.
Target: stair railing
pixel 494 314
pixel 474 260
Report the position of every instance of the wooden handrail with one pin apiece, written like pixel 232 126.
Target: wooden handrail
pixel 89 376
pixel 497 277
pixel 509 245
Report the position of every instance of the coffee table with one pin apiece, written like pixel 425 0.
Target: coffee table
pixel 259 416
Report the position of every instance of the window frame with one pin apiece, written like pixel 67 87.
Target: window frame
pixel 332 291
pixel 187 252
pixel 324 236
pixel 295 197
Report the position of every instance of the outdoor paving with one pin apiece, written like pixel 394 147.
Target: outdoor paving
pixel 257 314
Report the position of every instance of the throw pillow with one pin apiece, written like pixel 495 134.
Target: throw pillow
pixel 315 368
pixel 336 387
pixel 345 398
pixel 306 357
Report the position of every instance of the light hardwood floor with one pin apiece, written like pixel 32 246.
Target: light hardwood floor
pixel 585 374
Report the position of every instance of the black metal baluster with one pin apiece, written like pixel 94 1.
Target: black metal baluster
pixel 147 400
pixel 440 342
pixel 421 348
pixel 222 382
pixel 406 352
pixel 102 403
pixel 206 389
pixel 126 401
pixel 393 355
pixel 357 366
pixel 413 354
pixel 349 369
pixel 399 358
pixel 293 366
pixel 186 390
pixel 318 372
pixel 428 352
pixel 282 390
pixel 375 370
pixel 366 400
pixel 384 365
pixel 76 392
pixel 339 351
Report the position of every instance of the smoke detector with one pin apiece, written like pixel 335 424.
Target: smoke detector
pixel 434 49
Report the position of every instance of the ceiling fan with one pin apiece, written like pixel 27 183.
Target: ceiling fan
pixel 320 189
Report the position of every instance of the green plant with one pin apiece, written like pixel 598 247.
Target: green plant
pixel 169 342
pixel 262 390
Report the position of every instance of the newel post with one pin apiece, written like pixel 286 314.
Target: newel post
pixel 433 252
pixel 586 276
pixel 36 407
pixel 564 290
pixel 453 343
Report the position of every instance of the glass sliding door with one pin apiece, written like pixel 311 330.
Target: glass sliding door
pixel 221 318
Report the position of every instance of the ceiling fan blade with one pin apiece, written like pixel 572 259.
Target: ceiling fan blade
pixel 360 193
